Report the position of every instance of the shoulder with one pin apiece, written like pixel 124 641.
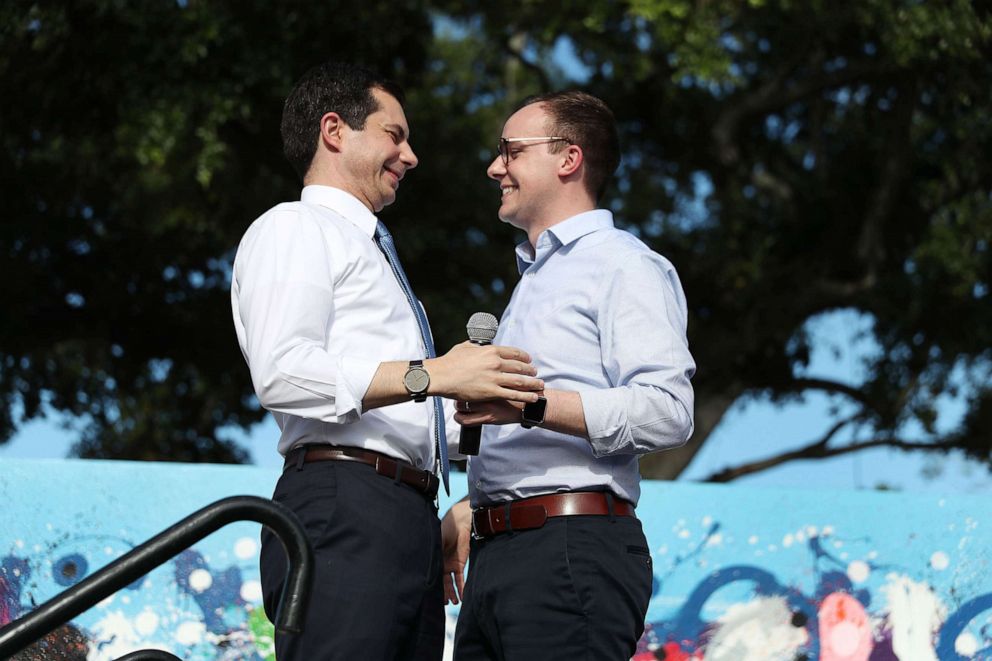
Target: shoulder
pixel 296 222
pixel 619 251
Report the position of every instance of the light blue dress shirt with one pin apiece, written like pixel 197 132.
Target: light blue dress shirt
pixel 602 314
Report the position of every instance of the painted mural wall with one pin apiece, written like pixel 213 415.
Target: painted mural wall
pixel 740 574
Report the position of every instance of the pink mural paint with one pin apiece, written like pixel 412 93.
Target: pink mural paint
pixel 845 629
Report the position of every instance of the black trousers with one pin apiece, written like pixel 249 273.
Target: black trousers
pixel 377 592
pixel 577 588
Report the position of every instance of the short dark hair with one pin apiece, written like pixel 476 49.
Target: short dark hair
pixel 589 123
pixel 330 87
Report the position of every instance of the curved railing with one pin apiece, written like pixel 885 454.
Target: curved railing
pixel 159 549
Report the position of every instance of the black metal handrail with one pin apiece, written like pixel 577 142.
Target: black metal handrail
pixel 140 560
pixel 148 655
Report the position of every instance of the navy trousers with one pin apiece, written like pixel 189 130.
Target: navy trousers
pixel 377 592
pixel 576 589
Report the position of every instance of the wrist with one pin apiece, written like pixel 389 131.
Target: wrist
pixel 435 367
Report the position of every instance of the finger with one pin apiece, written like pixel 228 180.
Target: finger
pixel 517 367
pixel 460 581
pixel 472 419
pixel 450 592
pixel 521 382
pixel 512 353
pixel 524 396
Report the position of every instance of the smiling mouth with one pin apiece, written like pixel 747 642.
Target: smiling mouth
pixel 394 175
pixel 506 190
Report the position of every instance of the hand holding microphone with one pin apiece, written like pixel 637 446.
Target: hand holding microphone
pixel 481 329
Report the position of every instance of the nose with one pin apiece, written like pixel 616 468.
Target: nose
pixel 408 158
pixel 496 169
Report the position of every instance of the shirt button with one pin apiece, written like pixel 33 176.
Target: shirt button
pixel 478 483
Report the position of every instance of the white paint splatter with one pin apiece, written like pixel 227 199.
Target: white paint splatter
pixel 146 622
pixel 914 616
pixel 715 540
pixel 251 591
pixel 19 543
pixel 245 548
pixel 858 571
pixel 759 630
pixel 200 580
pixel 684 534
pixel 812 531
pixel 966 644
pixel 190 632
pixel 828 530
pixel 940 561
pixel 787 540
pixel 872 555
pixel 707 520
pixel 752 540
pixel 838 544
pixel 800 536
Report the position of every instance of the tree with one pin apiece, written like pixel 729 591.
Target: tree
pixel 789 158
pixel 793 159
pixel 138 143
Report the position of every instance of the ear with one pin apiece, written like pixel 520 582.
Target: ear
pixel 571 160
pixel 331 126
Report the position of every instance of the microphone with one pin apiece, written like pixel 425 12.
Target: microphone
pixel 481 329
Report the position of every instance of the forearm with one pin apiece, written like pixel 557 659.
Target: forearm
pixel 564 413
pixel 465 372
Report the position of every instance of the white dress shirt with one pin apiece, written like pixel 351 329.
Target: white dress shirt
pixel 602 314
pixel 317 309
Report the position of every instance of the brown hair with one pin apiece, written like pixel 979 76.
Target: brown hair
pixel 586 121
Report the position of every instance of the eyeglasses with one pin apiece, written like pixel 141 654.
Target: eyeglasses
pixel 504 144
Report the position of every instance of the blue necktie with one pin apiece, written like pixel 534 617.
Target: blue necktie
pixel 385 241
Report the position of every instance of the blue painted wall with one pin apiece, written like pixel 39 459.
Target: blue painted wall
pixel 740 573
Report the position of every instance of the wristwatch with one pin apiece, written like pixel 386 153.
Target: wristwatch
pixel 533 413
pixel 416 381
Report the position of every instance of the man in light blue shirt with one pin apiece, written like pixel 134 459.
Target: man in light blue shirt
pixel 560 568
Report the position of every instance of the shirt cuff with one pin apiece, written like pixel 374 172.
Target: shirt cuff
pixel 356 376
pixel 606 419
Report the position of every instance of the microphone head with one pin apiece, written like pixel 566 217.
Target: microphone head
pixel 482 327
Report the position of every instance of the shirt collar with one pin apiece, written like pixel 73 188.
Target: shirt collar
pixel 561 234
pixel 342 202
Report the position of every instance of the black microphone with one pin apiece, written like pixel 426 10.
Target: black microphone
pixel 481 329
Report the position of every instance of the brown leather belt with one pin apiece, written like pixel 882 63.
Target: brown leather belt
pixel 530 513
pixel 394 469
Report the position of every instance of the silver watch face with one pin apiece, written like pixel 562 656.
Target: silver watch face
pixel 416 380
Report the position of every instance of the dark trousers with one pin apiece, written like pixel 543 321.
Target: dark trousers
pixel 377 592
pixel 576 589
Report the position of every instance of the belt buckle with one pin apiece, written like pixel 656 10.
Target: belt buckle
pixel 475 533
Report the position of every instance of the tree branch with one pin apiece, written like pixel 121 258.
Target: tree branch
pixel 820 450
pixel 833 387
pixel 774 94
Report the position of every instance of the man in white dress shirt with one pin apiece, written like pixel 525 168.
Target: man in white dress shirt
pixel 560 567
pixel 340 353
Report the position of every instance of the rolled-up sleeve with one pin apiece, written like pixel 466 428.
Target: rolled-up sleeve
pixel 642 319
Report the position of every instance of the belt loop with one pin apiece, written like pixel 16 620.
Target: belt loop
pixel 609 506
pixel 301 457
pixel 399 474
pixel 506 513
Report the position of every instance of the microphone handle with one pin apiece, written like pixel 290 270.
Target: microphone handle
pixel 471 437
